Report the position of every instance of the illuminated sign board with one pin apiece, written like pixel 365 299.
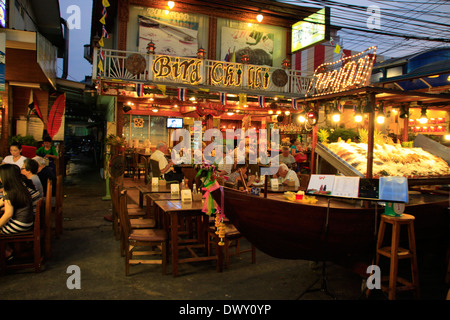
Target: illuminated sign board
pixel 311 31
pixel 224 74
pixel 348 73
pixel 3 13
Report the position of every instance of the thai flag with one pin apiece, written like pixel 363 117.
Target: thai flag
pixel 341 108
pixel 261 101
pixel 294 104
pixel 104 32
pixel 223 98
pixel 140 89
pixel 182 94
pixel 101 54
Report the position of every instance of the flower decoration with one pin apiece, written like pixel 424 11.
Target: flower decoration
pixel 207 174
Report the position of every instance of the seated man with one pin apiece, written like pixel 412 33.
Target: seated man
pixel 166 167
pixel 285 174
pixel 29 169
pixel 287 158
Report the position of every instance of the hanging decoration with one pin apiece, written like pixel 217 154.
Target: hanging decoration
pixel 101 43
pixel 182 94
pixel 261 101
pixel 223 98
pixel 33 106
pixel 213 109
pixel 56 115
pixel 207 174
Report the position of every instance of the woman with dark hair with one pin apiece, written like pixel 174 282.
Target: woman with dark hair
pixel 15 157
pixel 18 207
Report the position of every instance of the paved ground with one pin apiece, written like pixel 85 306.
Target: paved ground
pixel 88 242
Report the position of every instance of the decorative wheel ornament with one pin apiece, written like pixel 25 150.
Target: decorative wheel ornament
pixel 135 64
pixel 279 78
pixel 117 166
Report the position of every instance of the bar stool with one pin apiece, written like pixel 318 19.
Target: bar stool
pixel 394 252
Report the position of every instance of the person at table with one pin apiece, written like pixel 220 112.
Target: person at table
pixel 47 151
pixel 287 158
pixel 15 157
pixel 29 170
pixel 166 167
pixel 44 173
pixel 18 209
pixel 285 175
pixel 235 176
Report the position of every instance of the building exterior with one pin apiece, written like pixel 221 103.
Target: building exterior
pixel 223 57
pixel 32 38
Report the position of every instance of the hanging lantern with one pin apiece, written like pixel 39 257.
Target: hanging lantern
pixel 245 58
pixel 151 47
pixel 286 64
pixel 201 53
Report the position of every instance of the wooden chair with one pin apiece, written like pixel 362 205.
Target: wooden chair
pixel 48 220
pixel 140 238
pixel 35 237
pixel 58 210
pixel 133 212
pixel 139 166
pixel 232 238
pixel 304 180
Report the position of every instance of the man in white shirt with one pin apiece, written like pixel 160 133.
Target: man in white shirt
pixel 166 167
pixel 284 175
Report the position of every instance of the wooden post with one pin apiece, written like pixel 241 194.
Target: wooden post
pixel 370 137
pixel 313 148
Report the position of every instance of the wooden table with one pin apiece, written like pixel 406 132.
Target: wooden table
pixel 149 188
pixel 152 197
pixel 174 210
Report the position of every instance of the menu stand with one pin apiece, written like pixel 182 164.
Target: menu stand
pixel 323 278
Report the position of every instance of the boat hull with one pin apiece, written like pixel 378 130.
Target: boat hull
pixel 293 230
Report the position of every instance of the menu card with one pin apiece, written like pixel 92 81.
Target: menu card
pixel 175 189
pixel 186 195
pixel 320 184
pixel 345 186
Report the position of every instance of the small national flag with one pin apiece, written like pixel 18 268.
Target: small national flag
pixel 341 108
pixel 182 94
pixel 104 33
pixel 261 101
pixel 294 104
pixel 140 89
pixel 223 98
pixel 101 54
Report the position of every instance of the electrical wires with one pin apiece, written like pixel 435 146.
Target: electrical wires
pixel 406 27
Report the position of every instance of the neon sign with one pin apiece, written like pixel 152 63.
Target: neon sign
pixel 347 73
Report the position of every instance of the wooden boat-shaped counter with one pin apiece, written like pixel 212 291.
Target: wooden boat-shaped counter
pixel 293 230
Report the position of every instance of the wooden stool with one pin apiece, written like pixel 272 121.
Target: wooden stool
pixel 394 252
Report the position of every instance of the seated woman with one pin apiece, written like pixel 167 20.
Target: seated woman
pixel 235 177
pixel 15 157
pixel 18 212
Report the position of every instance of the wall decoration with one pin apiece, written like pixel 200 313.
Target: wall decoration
pixel 169 39
pixel 138 122
pixel 257 45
